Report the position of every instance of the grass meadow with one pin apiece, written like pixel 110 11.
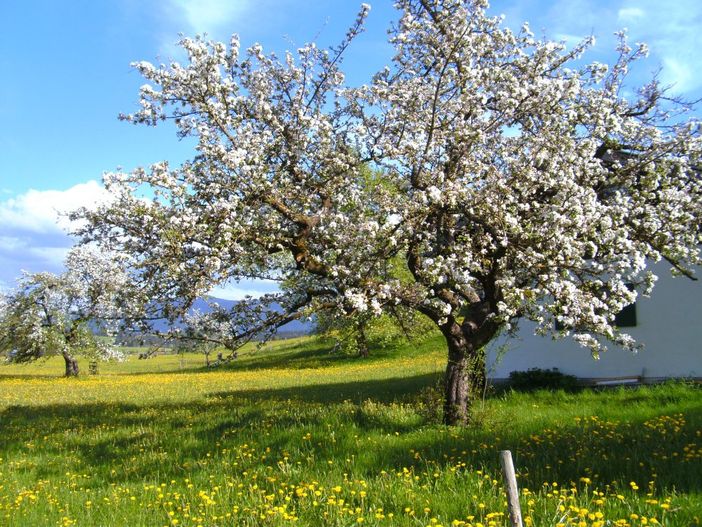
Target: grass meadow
pixel 294 435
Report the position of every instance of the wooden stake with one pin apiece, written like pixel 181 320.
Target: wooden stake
pixel 515 512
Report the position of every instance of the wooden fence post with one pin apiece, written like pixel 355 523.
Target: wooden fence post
pixel 510 479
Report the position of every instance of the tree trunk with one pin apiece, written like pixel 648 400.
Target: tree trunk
pixel 456 390
pixel 464 380
pixel 361 342
pixel 71 365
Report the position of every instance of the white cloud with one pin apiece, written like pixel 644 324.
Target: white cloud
pixel 680 51
pixel 45 211
pixel 237 291
pixel 677 73
pixel 190 17
pixel 627 14
pixel 207 16
pixel 570 40
pixel 34 227
pixel 671 30
pixel 10 243
pixel 53 257
pixel 572 18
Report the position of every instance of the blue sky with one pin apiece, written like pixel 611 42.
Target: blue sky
pixel 65 77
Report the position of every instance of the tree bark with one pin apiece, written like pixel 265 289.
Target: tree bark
pixel 361 342
pixel 71 365
pixel 456 390
pixel 464 380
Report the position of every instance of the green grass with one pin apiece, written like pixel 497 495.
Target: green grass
pixel 293 434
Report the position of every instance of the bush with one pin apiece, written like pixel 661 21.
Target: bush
pixel 538 379
pixel 429 402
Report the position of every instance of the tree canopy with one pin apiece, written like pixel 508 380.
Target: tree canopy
pixel 515 181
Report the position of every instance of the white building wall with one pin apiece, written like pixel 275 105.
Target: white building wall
pixel 669 325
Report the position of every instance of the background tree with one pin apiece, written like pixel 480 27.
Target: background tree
pixel 356 334
pixel 51 314
pixel 517 183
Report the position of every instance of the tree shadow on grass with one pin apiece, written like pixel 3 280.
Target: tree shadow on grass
pixel 371 422
pixel 381 390
pixel 315 355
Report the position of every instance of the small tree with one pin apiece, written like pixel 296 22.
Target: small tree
pixel 516 183
pixel 52 314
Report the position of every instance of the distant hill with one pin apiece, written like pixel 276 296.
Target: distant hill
pixel 291 329
pixel 296 328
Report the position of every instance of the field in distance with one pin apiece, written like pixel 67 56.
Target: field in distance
pixel 293 434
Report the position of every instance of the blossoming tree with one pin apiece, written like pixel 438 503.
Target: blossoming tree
pixel 512 180
pixel 52 314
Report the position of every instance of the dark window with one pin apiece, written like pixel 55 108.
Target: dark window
pixel 626 318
